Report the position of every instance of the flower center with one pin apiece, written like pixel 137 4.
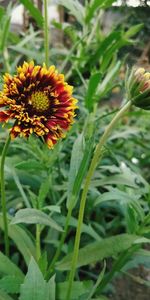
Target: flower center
pixel 39 101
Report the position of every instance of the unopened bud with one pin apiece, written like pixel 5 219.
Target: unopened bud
pixel 138 88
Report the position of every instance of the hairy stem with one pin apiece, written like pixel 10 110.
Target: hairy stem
pixel 95 160
pixel 3 197
pixel 46 33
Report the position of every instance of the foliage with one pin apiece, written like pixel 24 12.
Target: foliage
pixel 43 187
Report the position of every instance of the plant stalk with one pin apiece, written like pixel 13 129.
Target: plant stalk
pixel 46 33
pixel 3 196
pixel 95 160
pixel 38 242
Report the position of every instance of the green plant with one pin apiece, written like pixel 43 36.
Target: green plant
pixel 84 186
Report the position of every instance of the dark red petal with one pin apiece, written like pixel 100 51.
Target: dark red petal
pixel 4 116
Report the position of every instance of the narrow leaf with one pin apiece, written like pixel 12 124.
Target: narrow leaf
pixel 97 251
pixel 95 4
pixel 92 87
pixel 76 158
pixel 75 8
pixel 5 32
pixel 133 30
pixel 34 216
pixel 44 188
pixel 34 11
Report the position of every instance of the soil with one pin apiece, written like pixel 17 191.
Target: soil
pixel 128 289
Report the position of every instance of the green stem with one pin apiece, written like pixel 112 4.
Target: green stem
pixel 62 240
pixel 46 33
pixel 3 197
pixel 38 243
pixel 95 160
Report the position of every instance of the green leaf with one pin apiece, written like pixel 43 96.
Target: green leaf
pixel 92 87
pixel 97 251
pixel 11 284
pixel 4 32
pixel 8 267
pixel 35 287
pixel 4 296
pixel 34 11
pixel 44 189
pixel 117 195
pixel 34 216
pixel 76 158
pixel 81 173
pixel 43 263
pixel 22 240
pixel 98 281
pixel 122 179
pixel 75 8
pixel 30 164
pixel 107 82
pixel 53 208
pixel 106 44
pixel 78 289
pixel 2 12
pixel 95 4
pixel 133 30
pixel 52 288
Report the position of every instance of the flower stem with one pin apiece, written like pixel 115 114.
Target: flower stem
pixel 3 197
pixel 38 243
pixel 95 160
pixel 62 240
pixel 46 33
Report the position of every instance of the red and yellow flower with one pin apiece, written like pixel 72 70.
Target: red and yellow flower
pixel 40 102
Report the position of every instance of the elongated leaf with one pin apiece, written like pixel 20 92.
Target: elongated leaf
pixel 99 279
pixel 30 164
pixel 88 229
pixel 116 179
pixel 2 12
pixel 110 40
pixel 92 87
pixel 116 195
pixel 8 267
pixel 95 4
pixel 107 82
pixel 75 8
pixel 81 173
pixel 76 158
pixel 34 216
pixel 133 30
pixel 30 54
pixel 5 32
pixel 34 11
pixel 97 251
pixel 22 240
pixel 35 287
pixel 54 208
pixel 44 188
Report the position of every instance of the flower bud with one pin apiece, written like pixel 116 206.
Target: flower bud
pixel 138 88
